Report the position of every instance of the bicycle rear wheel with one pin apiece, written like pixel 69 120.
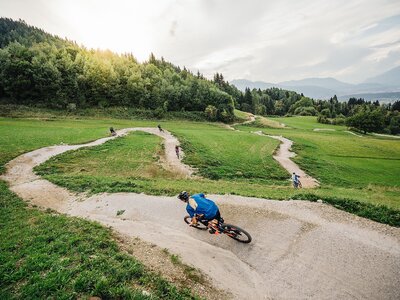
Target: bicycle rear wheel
pixel 237 233
pixel 199 225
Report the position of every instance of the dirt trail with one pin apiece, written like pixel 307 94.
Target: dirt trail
pixel 353 133
pixel 171 162
pixel 299 250
pixel 250 118
pixel 283 156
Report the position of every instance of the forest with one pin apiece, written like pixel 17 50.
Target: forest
pixel 39 69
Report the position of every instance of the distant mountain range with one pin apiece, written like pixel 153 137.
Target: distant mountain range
pixel 384 87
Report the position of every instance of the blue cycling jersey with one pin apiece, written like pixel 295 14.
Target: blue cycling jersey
pixel 198 204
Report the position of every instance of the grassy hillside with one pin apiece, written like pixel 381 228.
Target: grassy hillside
pixel 135 155
pixel 19 136
pixel 215 150
pixel 339 158
pixel 220 153
pixel 47 255
pixel 249 157
pixel 241 115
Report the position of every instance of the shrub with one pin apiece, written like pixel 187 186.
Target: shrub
pixel 211 112
pixel 159 112
pixel 71 107
pixel 305 111
pixel 326 112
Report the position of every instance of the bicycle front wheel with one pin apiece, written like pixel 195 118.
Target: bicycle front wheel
pixel 199 225
pixel 237 233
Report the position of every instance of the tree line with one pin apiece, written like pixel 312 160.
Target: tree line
pixel 363 115
pixel 366 116
pixel 40 69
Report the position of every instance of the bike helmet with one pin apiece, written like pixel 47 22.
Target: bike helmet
pixel 184 196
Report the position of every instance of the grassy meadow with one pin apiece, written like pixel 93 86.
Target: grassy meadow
pixel 230 162
pixel 220 153
pixel 135 155
pixel 46 254
pixel 22 135
pixel 337 158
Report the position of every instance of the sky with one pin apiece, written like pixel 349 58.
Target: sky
pixel 271 41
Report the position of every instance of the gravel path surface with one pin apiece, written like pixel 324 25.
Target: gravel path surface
pixel 300 250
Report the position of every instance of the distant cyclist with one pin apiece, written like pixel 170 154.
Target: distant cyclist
pixel 177 151
pixel 159 128
pixel 201 208
pixel 296 181
pixel 112 131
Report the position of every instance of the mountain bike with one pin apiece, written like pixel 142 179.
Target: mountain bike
pixel 230 230
pixel 297 185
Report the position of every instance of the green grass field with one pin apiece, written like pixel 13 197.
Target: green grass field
pixel 46 255
pixel 338 158
pixel 23 135
pixel 218 153
pixel 135 155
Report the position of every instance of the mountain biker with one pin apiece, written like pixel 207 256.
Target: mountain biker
pixel 112 131
pixel 201 208
pixel 296 180
pixel 177 150
pixel 159 128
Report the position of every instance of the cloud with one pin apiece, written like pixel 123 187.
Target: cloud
pixel 283 40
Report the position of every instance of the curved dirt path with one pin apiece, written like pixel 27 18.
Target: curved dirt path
pixel 170 161
pixel 299 250
pixel 18 166
pixel 283 156
pixel 353 133
pixel 251 118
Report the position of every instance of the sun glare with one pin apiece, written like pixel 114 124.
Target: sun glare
pixel 124 26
